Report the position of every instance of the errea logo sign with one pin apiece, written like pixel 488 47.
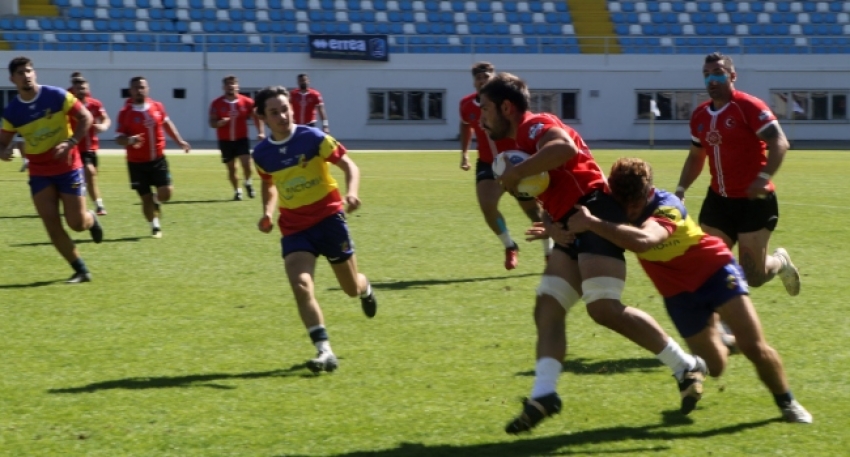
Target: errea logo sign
pixel 349 47
pixel 341 45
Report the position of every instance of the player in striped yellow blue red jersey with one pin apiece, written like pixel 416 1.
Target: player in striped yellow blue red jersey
pixel 745 146
pixel 592 269
pixel 293 162
pixel 42 116
pixel 695 272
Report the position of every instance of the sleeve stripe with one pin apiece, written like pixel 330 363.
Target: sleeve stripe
pixel 773 122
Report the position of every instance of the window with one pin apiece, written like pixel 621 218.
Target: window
pixel 673 105
pixel 814 105
pixel 558 102
pixel 414 105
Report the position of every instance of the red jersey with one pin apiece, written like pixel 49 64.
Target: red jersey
pixel 304 105
pixel 470 114
pixel 145 120
pixel 569 182
pixel 729 137
pixel 239 111
pixel 688 257
pixel 90 142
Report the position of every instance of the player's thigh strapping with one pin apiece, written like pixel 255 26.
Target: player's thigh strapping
pixel 330 238
pixel 739 215
pixel 233 149
pixel 143 175
pixel 72 183
pixel 691 312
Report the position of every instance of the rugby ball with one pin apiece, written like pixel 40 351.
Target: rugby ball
pixel 530 186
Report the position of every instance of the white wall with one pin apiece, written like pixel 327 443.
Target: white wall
pixel 344 85
pixel 9 7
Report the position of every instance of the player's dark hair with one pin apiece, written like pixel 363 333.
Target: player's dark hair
pixel 76 74
pixel 630 179
pixel 265 94
pixel 505 86
pixel 78 80
pixel 724 60
pixel 136 79
pixel 302 75
pixel 18 62
pixel 227 79
pixel 482 67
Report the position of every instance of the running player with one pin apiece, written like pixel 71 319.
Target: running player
pixel 42 115
pixel 305 101
pixel 90 143
pixel 229 115
pixel 140 128
pixel 591 269
pixel 293 164
pixel 487 190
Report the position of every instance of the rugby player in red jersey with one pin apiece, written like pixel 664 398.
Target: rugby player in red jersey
pixel 591 269
pixel 229 115
pixel 487 190
pixel 90 143
pixel 745 147
pixel 141 128
pixel 696 274
pixel 305 101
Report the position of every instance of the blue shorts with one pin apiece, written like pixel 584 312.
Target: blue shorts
pixel 329 238
pixel 691 311
pixel 72 182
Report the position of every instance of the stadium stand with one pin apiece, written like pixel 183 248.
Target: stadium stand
pixel 432 26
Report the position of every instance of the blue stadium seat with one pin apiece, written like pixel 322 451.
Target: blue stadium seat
pixel 328 5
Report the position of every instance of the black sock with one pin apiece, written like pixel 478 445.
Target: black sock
pixel 320 334
pixel 79 266
pixel 783 400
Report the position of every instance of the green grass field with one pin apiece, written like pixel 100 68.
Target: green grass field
pixel 191 345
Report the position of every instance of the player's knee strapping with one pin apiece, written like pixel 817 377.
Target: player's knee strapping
pixel 559 289
pixel 602 288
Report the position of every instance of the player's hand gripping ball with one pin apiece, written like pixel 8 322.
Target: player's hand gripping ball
pixel 530 186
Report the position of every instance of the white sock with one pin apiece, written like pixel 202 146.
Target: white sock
pixel 548 244
pixel 324 346
pixel 248 182
pixel 155 222
pixel 676 359
pixel 368 290
pixel 99 202
pixel 506 239
pixel 547 370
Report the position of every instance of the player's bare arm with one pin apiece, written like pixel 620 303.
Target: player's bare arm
pixel 628 237
pixel 124 140
pixel 102 123
pixel 324 115
pixel 777 146
pixel 554 149
pixel 352 182
pixel 465 139
pixel 261 128
pixel 5 145
pixel 269 193
pixel 84 121
pixel 691 170
pixel 171 130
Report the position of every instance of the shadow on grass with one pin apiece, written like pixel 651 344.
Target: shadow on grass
pixel 193 202
pixel 559 445
pixel 22 216
pixel 619 366
pixel 423 283
pixel 105 240
pixel 31 284
pixel 198 380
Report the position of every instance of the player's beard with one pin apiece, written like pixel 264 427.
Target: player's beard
pixel 499 129
pixel 302 86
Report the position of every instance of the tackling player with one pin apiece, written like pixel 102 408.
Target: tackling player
pixel 592 269
pixel 42 116
pixel 293 164
pixel 140 128
pixel 229 115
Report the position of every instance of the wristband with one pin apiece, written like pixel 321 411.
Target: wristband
pixel 764 175
pixel 71 141
pixel 681 189
pixel 324 123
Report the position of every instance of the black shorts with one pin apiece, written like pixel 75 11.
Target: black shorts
pixel 606 208
pixel 89 158
pixel 484 172
pixel 146 174
pixel 233 149
pixel 739 215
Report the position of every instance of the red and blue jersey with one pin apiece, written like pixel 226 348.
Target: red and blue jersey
pixel 298 167
pixel 688 257
pixel 43 123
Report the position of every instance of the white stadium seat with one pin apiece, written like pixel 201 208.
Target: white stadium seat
pixel 666 41
pixel 381 16
pixel 255 39
pixel 635 29
pixel 823 7
pixel 250 27
pixel 614 7
pixel 460 18
pixel 801 41
pixel 196 27
pixel 548 7
pixel 454 40
pixel 688 29
pixel 644 18
pixel 301 16
pixel 356 28
pixel 32 24
pixel 418 5
pixel 471 6
pixel 665 7
pixel 769 7
pixel 795 29
pixel 538 18
pixel 803 18
pixel 184 4
pixel 101 13
pixel 499 17
pixel 522 7
pixel 420 16
pixel 314 4
pixel 186 39
pixel 733 41
pixel 515 29
pixel 763 18
pixel 796 7
pixel 222 15
pixel 183 15
pixel 302 28
pixel 392 5
pixel 640 7
pixel 445 6
pixel 568 29
pixel 462 29
pixel 518 41
pixel 691 7
pixel 742 30
pixel 116 38
pixel 409 29
pixel 341 16
pixel 262 15
pixel 142 13
pixel 141 26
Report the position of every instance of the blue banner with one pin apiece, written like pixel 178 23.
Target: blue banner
pixel 349 47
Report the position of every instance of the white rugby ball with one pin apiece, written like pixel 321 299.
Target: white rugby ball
pixel 530 186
